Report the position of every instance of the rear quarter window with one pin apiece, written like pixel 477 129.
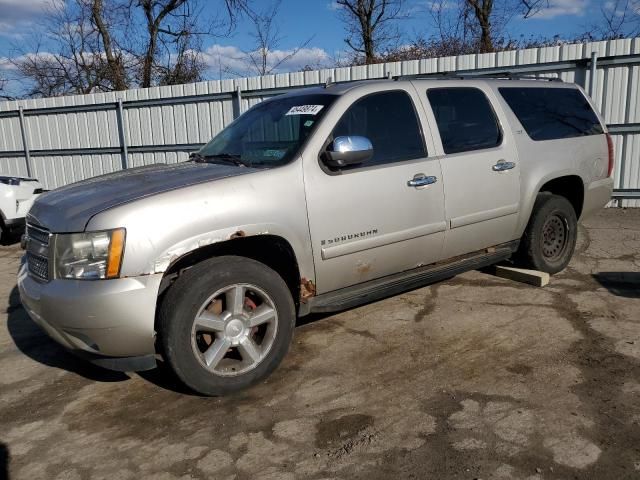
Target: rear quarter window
pixel 552 113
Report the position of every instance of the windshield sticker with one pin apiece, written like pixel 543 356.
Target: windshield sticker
pixel 308 123
pixel 259 154
pixel 274 153
pixel 305 110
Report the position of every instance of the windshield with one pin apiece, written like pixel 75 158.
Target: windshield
pixel 269 134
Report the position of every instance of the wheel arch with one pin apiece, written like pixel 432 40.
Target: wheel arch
pixel 272 250
pixel 570 187
pixel 566 183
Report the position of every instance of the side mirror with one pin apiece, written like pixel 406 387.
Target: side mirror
pixel 347 151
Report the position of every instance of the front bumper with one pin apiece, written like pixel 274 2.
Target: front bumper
pixel 109 322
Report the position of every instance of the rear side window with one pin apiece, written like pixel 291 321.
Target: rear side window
pixel 552 113
pixel 389 121
pixel 465 119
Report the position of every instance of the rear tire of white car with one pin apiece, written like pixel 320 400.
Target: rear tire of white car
pixel 550 238
pixel 226 324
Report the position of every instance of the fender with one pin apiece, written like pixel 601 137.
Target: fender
pixel 162 228
pixel 172 254
pixel 529 193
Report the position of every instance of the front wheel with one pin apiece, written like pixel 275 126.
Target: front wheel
pixel 550 237
pixel 226 324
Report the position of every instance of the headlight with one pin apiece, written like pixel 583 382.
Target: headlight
pixel 90 255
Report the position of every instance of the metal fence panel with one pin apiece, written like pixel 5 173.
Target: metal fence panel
pixel 77 137
pixel 13 166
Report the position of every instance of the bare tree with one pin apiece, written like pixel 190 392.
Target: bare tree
pixel 172 29
pixel 114 56
pixel 620 18
pixel 483 10
pixel 185 65
pixel 454 28
pixel 479 25
pixel 529 8
pixel 370 25
pixel 3 86
pixel 263 59
pixel 75 63
pixel 156 12
pixel 105 45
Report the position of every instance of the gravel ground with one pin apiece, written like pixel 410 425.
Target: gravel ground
pixel 474 377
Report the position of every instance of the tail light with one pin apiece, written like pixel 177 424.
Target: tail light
pixel 611 155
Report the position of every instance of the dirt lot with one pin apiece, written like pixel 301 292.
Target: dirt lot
pixel 475 377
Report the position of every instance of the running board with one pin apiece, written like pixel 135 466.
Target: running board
pixel 401 282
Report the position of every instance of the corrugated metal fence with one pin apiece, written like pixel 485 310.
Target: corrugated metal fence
pixel 66 139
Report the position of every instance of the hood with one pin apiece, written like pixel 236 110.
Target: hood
pixel 69 208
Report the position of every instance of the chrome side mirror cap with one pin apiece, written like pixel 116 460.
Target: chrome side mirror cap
pixel 348 150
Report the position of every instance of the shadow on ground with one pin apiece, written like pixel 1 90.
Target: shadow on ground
pixel 164 377
pixel 621 284
pixel 4 462
pixel 34 343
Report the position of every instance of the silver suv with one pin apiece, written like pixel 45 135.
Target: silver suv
pixel 314 201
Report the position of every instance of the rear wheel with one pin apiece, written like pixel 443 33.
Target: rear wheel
pixel 550 237
pixel 226 324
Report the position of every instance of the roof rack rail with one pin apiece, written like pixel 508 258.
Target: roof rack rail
pixel 431 76
pixel 511 76
pixel 475 76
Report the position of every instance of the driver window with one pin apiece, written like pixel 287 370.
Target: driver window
pixel 389 121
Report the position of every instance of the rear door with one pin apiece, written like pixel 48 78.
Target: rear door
pixel 369 221
pixel 479 168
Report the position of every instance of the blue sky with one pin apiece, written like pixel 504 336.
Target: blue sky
pixel 300 20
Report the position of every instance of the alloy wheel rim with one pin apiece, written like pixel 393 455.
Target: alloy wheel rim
pixel 234 329
pixel 554 237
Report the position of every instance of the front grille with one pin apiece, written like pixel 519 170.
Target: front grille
pixel 38 266
pixel 38 234
pixel 38 252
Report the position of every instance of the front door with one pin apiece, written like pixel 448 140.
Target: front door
pixel 374 219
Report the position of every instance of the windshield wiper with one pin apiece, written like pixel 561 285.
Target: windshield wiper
pixel 232 158
pixel 220 157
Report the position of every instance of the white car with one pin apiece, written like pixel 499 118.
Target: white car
pixel 17 194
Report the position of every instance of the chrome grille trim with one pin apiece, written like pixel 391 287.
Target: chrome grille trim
pixel 38 234
pixel 38 252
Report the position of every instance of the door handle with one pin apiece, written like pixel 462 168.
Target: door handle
pixel 501 166
pixel 421 180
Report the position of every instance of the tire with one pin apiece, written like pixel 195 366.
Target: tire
pixel 245 320
pixel 550 237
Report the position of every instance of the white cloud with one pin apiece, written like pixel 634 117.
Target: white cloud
pixel 19 14
pixel 444 5
pixel 558 8
pixel 225 60
pixel 618 7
